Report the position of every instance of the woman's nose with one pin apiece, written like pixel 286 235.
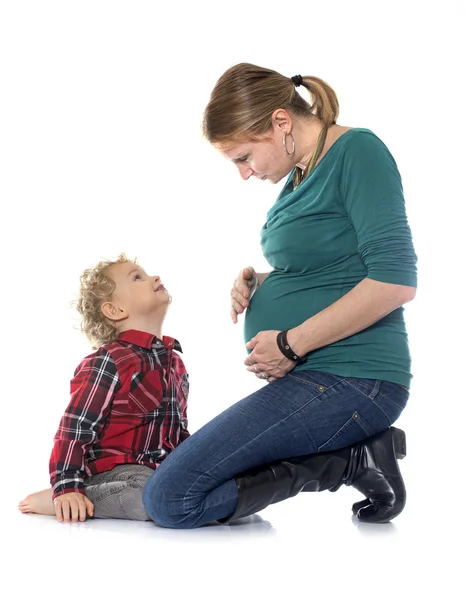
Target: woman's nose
pixel 245 171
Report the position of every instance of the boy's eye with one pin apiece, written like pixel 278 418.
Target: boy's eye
pixel 243 158
pixel 137 276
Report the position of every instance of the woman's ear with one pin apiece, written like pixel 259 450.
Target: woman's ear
pixel 281 120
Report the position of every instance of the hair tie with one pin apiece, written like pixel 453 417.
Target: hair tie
pixel 297 80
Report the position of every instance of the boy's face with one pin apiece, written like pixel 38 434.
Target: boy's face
pixel 136 293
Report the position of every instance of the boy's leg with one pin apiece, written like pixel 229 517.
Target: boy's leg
pixel 117 494
pixel 40 503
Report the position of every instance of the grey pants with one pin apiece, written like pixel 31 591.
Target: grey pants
pixel 117 494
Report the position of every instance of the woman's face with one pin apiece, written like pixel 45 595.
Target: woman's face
pixel 265 160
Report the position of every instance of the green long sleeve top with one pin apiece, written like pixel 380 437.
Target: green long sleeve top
pixel 345 222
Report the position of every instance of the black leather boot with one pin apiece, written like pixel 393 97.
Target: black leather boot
pixel 371 467
pixel 381 482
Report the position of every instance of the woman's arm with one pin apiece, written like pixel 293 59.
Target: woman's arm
pixel 368 302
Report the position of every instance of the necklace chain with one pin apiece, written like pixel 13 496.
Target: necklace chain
pixel 300 175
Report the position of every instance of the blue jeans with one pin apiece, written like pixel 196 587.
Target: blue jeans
pixel 303 413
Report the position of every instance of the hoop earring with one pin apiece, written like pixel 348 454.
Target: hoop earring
pixel 284 144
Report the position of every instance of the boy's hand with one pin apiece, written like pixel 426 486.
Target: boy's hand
pixel 73 506
pixel 242 291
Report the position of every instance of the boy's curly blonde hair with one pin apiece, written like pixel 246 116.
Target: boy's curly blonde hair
pixel 97 287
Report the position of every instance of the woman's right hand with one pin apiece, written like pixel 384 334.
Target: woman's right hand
pixel 242 291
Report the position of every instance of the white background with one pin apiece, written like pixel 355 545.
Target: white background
pixel 101 152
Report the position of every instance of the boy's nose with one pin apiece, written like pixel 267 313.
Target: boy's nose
pixel 156 278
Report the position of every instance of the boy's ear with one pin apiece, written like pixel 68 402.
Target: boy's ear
pixel 113 312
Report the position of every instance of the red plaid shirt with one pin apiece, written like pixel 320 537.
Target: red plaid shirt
pixel 128 405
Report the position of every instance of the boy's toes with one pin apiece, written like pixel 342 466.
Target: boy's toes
pixel 24 506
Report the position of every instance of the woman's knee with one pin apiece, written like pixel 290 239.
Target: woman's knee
pixel 164 505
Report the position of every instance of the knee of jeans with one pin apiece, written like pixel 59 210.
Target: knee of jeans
pixel 156 500
pixel 164 507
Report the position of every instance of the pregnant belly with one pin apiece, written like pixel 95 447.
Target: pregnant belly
pixel 283 306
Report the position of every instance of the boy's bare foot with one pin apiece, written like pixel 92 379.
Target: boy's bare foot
pixel 40 503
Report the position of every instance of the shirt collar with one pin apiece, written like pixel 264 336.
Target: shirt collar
pixel 148 340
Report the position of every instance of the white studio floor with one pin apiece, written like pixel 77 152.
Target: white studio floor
pixel 308 546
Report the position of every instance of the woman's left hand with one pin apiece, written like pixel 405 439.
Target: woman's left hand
pixel 266 359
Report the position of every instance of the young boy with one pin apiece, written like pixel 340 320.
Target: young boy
pixel 128 400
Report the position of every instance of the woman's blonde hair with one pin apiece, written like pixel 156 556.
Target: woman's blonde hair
pixel 95 289
pixel 245 97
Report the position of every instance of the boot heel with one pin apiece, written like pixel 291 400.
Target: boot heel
pixel 399 442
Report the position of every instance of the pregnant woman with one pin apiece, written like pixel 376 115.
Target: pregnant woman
pixel 325 328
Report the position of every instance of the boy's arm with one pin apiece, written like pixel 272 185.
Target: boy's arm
pixel 183 398
pixel 92 389
pixel 184 434
pixel 184 424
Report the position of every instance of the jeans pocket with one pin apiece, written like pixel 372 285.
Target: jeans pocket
pixel 368 387
pixel 353 431
pixel 312 380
